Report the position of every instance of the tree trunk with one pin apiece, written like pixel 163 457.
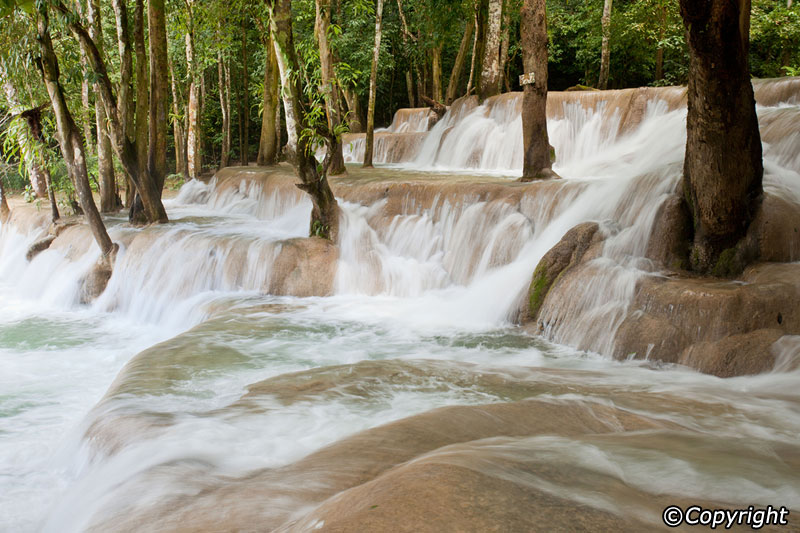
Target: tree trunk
pixel 329 87
pixel 325 210
pixel 504 45
pixel 193 105
pixel 458 66
pixel 533 29
pixel 490 73
pixel 605 52
pixel 475 40
pixel 437 73
pixel 5 212
pixel 225 110
pixel 25 140
pixel 246 101
pixel 124 92
pixel 177 125
pixel 159 93
pixel 373 82
pixel 69 137
pixel 662 29
pixel 109 201
pixel 269 144
pixel 722 173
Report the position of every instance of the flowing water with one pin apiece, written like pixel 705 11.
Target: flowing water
pixel 196 385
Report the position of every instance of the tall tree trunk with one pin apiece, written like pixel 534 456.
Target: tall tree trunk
pixel 329 87
pixel 85 117
pixel 124 92
pixel 5 212
pixel 70 138
pixel 109 201
pixel 533 28
pixel 159 93
pixel 458 66
pixel 504 45
pixel 722 173
pixel 436 60
pixel 489 84
pixel 476 22
pixel 662 29
pixel 406 36
pixel 605 52
pixel 25 140
pixel 325 210
pixel 193 105
pixel 269 143
pixel 177 125
pixel 225 109
pixel 373 82
pixel 245 101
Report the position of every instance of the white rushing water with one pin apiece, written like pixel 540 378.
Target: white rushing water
pixel 437 287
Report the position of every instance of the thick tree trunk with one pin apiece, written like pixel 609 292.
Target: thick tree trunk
pixel 436 60
pixel 722 173
pixel 245 143
pixel 329 86
pixel 193 105
pixel 159 93
pixel 225 111
pixel 490 73
pixel 373 82
pixel 109 201
pixel 70 138
pixel 458 66
pixel 325 210
pixel 605 51
pixel 533 28
pixel 269 143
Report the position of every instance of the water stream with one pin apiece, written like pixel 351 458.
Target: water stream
pixel 190 385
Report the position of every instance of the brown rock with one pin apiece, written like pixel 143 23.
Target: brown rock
pixel 95 282
pixel 304 267
pixel 737 355
pixel 669 240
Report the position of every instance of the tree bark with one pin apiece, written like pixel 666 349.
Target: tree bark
pixel 373 82
pixel 245 146
pixel 109 201
pixel 159 93
pixel 329 88
pixel 662 29
pixel 490 73
pixel 193 105
pixel 177 125
pixel 504 45
pixel 70 138
pixel 722 173
pixel 269 144
pixel 474 51
pixel 124 92
pixel 458 66
pixel 325 210
pixel 605 51
pixel 533 28
pixel 436 60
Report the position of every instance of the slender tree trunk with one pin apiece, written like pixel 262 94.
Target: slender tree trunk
pixel 289 109
pixel 722 173
pixel 474 51
pixel 458 66
pixel 177 125
pixel 605 52
pixel 662 29
pixel 246 101
pixel 225 109
pixel 437 73
pixel 124 92
pixel 504 45
pixel 25 140
pixel 141 127
pixel 109 202
pixel 193 105
pixel 5 212
pixel 84 117
pixel 269 144
pixel 329 87
pixel 69 137
pixel 533 28
pixel 240 118
pixel 325 210
pixel 373 81
pixel 159 93
pixel 490 74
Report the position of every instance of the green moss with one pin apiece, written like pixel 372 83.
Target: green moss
pixel 727 264
pixel 540 285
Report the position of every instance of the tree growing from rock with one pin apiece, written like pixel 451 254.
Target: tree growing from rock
pixel 722 173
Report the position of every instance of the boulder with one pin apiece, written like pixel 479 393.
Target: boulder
pixel 668 245
pixel 304 267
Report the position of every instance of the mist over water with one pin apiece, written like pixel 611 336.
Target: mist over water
pixel 186 377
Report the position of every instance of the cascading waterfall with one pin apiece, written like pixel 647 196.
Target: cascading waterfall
pixel 431 271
